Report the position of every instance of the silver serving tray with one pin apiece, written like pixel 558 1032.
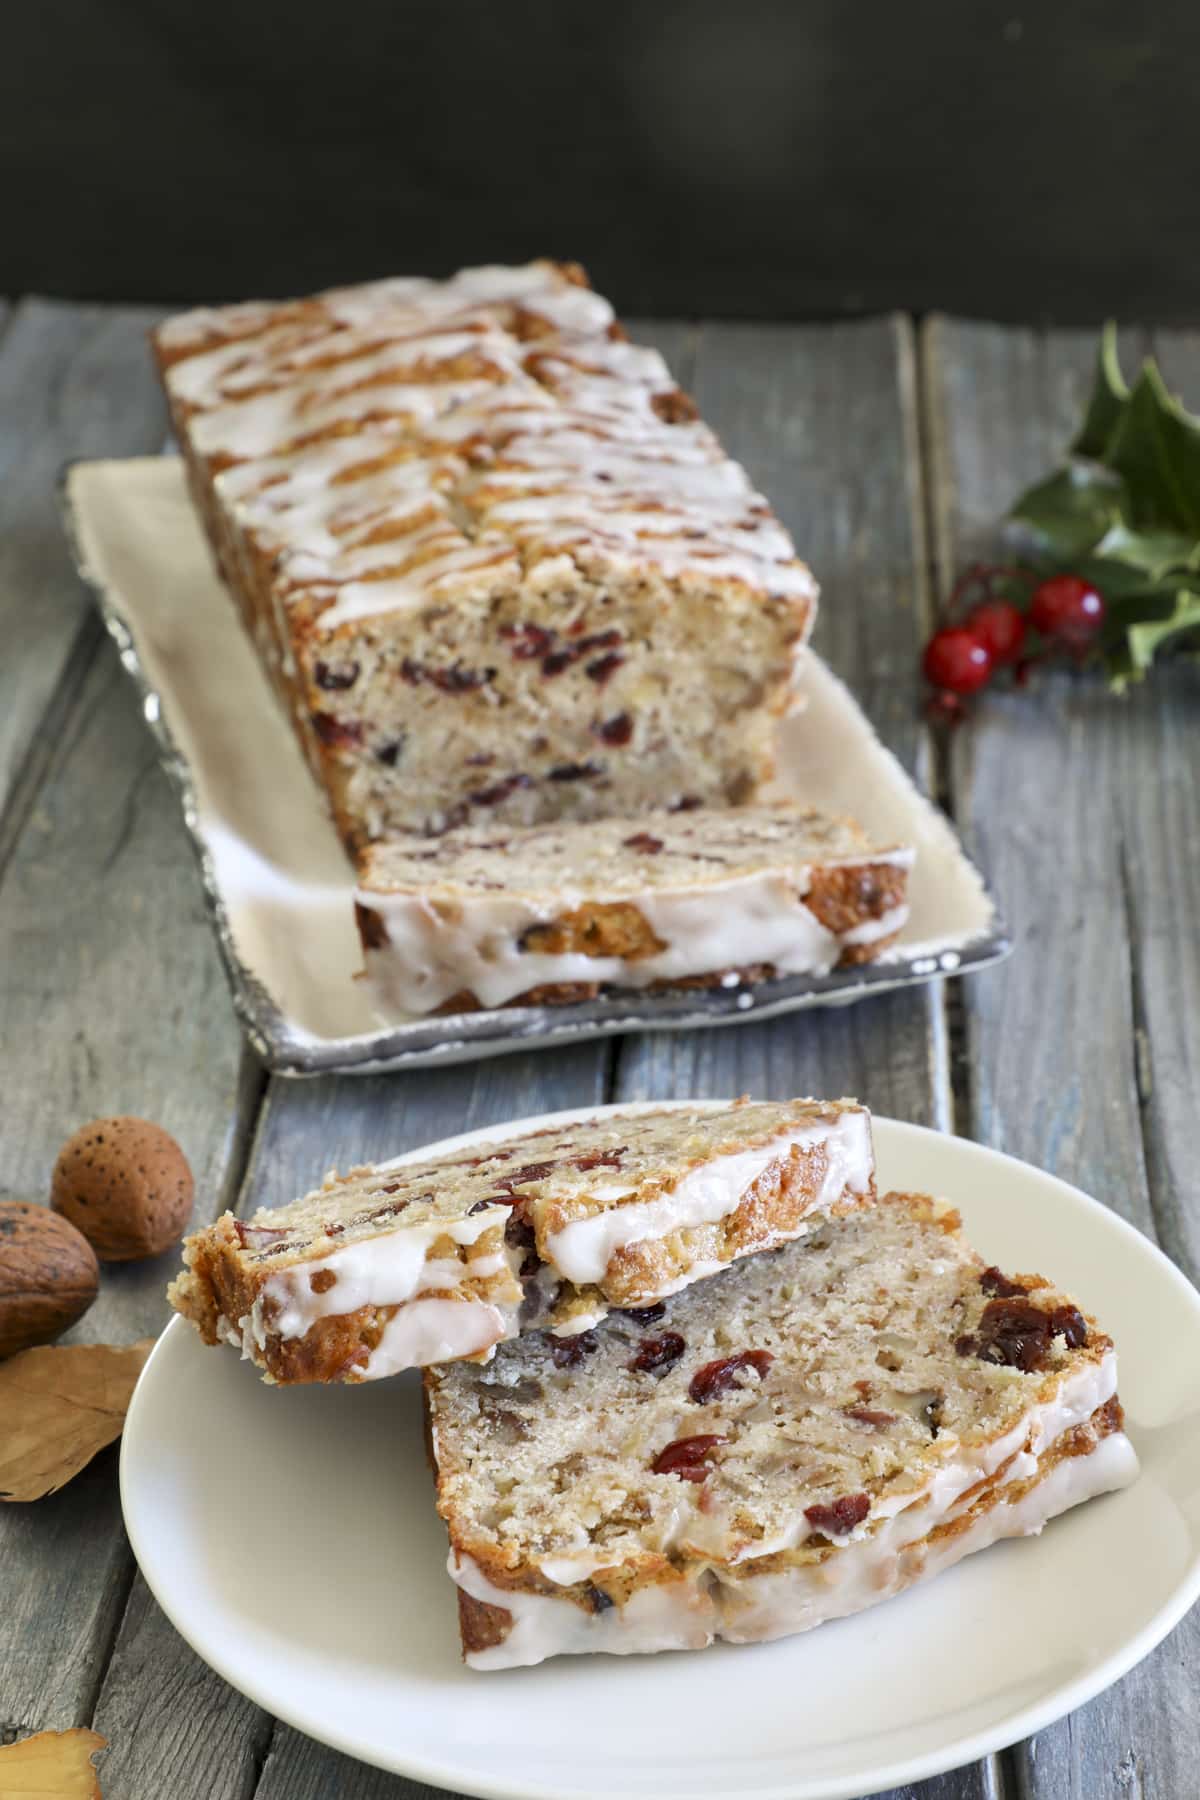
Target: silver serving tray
pixel 277 883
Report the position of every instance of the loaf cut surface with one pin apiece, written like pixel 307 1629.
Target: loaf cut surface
pixel 496 567
pixel 806 1434
pixel 413 1262
pixel 492 917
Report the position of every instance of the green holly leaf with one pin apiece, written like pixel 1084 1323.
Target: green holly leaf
pixel 1109 399
pixel 1155 552
pixel 1130 658
pixel 1119 581
pixel 1123 513
pixel 1070 513
pixel 1155 448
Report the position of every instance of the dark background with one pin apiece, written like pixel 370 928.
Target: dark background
pixel 732 157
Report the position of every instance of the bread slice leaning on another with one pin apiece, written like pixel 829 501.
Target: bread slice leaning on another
pixel 804 1435
pixel 412 1262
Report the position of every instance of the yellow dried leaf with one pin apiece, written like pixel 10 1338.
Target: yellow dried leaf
pixel 53 1765
pixel 59 1405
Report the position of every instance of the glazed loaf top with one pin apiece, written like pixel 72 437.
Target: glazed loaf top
pixel 410 440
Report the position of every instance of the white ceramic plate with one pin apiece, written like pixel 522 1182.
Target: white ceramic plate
pixel 291 1537
pixel 278 883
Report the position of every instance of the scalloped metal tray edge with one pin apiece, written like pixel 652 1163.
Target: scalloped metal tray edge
pixel 470 1037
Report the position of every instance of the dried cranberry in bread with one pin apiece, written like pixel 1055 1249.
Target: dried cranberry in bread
pixel 486 916
pixel 804 1435
pixel 414 1261
pixel 494 564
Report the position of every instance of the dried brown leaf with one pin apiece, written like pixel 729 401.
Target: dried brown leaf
pixel 59 1405
pixel 53 1765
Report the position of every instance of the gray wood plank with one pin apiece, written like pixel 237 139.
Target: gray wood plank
pixel 1160 819
pixel 824 417
pixel 305 1128
pixel 308 1127
pixel 173 1727
pixel 1086 812
pixel 74 381
pixel 111 987
pixel 298 1769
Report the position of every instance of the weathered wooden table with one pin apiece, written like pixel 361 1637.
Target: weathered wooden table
pixel 889 449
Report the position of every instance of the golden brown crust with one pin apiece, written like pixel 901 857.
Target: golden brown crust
pixel 481 1625
pixel 843 897
pixel 597 928
pixel 770 1210
pixel 572 993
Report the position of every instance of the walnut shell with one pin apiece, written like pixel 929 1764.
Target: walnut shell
pixel 49 1275
pixel 126 1184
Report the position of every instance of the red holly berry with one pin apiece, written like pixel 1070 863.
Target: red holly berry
pixel 957 659
pixel 1067 609
pixel 1000 627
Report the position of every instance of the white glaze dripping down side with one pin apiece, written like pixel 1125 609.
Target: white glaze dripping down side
pixel 392 1270
pixel 691 1613
pixel 435 951
pixel 583 1249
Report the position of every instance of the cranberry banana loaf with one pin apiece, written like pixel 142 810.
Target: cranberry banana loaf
pixel 487 917
pixel 413 1262
pixel 495 565
pixel 804 1435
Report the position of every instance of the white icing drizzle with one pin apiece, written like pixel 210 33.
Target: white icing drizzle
pixel 909 1511
pixel 528 455
pixel 388 1269
pixel 475 944
pixel 747 1608
pixel 871 930
pixel 775 1606
pixel 396 1268
pixel 583 1249
pixel 431 1330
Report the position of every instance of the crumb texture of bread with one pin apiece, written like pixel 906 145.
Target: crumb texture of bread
pixel 406 1263
pixel 495 565
pixel 487 916
pixel 800 1436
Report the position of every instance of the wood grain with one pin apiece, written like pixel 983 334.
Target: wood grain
pixel 74 381
pixel 825 420
pixel 1083 1050
pixel 108 973
pixel 111 987
pixel 304 1129
pixel 173 1727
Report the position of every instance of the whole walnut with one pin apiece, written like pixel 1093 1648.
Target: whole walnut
pixel 126 1184
pixel 49 1275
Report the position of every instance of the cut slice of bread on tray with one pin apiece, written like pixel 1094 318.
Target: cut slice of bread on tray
pixel 495 916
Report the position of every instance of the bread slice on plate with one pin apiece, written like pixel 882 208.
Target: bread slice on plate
pixel 409 1263
pixel 494 916
pixel 802 1436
